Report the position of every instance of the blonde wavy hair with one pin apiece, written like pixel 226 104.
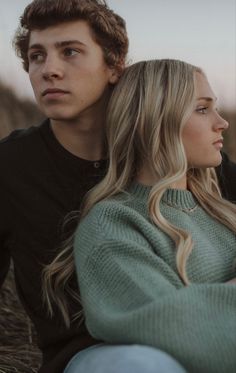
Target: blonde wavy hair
pixel 146 115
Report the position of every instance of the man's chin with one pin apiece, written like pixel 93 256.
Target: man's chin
pixel 57 112
pixel 60 117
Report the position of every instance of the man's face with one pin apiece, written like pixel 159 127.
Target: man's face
pixel 67 71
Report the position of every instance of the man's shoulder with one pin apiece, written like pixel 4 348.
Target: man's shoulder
pixel 20 142
pixel 227 164
pixel 16 136
pixel 19 147
pixel 226 173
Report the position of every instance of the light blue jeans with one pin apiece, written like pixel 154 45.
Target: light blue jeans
pixel 102 358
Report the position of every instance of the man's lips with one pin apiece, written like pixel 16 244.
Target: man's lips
pixel 54 92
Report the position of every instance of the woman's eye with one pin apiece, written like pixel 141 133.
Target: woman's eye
pixel 202 110
pixel 70 52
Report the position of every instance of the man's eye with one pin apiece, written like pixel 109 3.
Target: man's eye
pixel 70 52
pixel 202 110
pixel 36 57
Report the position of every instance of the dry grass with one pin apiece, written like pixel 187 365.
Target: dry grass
pixel 18 351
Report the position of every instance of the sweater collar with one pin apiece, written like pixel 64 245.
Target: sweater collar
pixel 178 198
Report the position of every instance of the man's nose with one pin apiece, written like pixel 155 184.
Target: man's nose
pixel 52 68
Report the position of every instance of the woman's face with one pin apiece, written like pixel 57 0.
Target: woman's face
pixel 202 134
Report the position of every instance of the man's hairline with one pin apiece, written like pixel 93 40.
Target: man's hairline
pixel 93 34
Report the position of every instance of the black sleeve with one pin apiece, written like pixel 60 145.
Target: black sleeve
pixel 226 173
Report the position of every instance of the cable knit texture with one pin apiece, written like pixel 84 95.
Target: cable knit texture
pixel 131 290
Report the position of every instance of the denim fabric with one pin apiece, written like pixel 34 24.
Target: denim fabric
pixel 104 358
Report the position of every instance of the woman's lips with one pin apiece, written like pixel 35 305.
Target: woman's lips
pixel 218 144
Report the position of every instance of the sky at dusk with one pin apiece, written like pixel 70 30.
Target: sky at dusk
pixel 201 32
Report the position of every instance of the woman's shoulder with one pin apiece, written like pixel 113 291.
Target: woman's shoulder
pixel 116 206
pixel 107 221
pixel 121 210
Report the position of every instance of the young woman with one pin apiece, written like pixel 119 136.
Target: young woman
pixel 155 251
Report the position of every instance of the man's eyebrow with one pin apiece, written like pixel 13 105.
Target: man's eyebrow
pixel 210 99
pixel 65 43
pixel 36 46
pixel 58 44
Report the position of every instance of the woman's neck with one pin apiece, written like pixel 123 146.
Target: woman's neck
pixel 147 177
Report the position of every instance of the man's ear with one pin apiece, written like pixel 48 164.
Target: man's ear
pixel 114 77
pixel 116 72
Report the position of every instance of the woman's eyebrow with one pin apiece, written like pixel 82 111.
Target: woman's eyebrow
pixel 210 99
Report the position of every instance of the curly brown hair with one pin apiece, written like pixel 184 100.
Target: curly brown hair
pixel 108 28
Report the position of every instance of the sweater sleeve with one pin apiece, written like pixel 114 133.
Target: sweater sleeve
pixel 131 296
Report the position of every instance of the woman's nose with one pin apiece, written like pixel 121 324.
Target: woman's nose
pixel 221 123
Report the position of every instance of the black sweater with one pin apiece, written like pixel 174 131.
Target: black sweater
pixel 40 183
pixel 226 173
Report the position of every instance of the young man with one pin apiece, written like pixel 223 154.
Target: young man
pixel 74 51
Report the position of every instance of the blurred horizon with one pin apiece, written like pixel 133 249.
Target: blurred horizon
pixel 202 33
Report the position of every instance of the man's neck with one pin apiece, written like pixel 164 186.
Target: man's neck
pixel 82 138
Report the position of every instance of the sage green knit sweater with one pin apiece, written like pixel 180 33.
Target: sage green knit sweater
pixel 132 293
